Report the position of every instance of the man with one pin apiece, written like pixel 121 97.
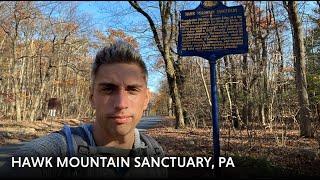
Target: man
pixel 119 95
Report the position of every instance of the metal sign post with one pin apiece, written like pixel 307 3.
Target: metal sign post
pixel 215 110
pixel 211 31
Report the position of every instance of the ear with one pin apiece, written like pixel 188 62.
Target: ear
pixel 91 99
pixel 146 102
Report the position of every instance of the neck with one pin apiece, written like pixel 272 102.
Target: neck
pixel 103 138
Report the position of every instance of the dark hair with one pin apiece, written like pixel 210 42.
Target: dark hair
pixel 119 52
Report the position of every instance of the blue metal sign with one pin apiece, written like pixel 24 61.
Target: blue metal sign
pixel 211 31
pixel 212 28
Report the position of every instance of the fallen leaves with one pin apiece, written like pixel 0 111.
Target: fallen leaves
pixel 288 151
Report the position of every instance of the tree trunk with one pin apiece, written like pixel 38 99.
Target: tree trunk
pixel 174 93
pixel 204 82
pixel 16 87
pixel 300 68
pixel 264 83
pixel 164 44
pixel 280 78
pixel 245 109
pixel 234 95
pixel 37 100
pixel 170 108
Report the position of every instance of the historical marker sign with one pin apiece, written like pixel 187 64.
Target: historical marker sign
pixel 212 28
pixel 212 31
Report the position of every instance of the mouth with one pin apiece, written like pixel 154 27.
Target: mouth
pixel 121 119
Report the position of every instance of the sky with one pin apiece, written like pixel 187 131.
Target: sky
pixel 110 14
pixel 119 15
pixel 103 17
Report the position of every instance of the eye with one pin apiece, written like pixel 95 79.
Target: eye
pixel 133 90
pixel 109 89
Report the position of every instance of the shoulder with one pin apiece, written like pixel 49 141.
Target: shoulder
pixel 53 144
pixel 152 144
pixel 81 135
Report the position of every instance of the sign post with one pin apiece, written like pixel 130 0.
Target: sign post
pixel 215 109
pixel 211 31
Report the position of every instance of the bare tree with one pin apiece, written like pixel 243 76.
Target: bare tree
pixel 300 68
pixel 164 43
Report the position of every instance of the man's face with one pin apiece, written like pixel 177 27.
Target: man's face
pixel 119 96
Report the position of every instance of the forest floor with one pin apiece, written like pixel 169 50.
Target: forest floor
pixel 12 132
pixel 258 152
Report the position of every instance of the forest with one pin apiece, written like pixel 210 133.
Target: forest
pixel 47 48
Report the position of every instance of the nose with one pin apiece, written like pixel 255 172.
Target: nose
pixel 121 100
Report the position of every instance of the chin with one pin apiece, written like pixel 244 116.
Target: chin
pixel 122 130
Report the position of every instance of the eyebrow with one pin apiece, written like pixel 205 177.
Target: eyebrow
pixel 106 84
pixel 114 85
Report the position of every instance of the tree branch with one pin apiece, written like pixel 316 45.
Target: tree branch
pixel 136 6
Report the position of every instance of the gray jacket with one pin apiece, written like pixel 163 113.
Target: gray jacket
pixel 55 145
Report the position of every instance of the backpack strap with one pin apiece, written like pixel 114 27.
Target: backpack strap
pixel 156 151
pixel 67 131
pixel 88 134
pixel 80 137
pixel 153 145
